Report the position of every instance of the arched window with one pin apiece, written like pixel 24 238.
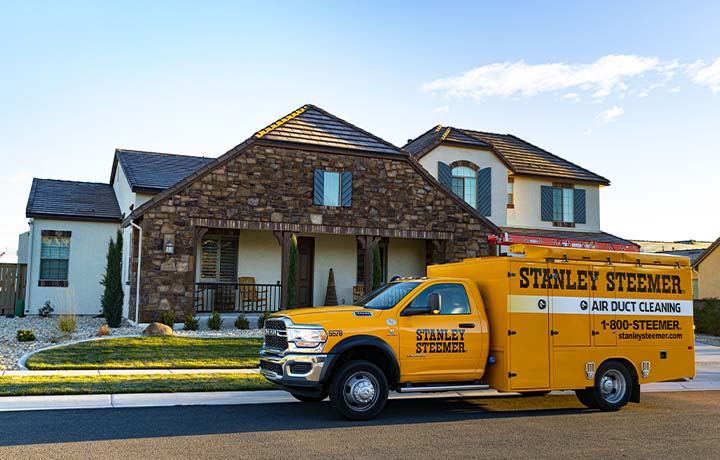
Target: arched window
pixel 464 184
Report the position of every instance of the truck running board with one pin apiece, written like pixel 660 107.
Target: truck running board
pixel 435 389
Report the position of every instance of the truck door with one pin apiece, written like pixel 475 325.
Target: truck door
pixel 603 317
pixel 441 347
pixel 570 305
pixel 528 326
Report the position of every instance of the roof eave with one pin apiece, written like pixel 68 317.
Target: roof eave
pixel 72 217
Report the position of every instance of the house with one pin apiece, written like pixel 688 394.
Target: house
pixel 204 234
pixel 707 266
pixel 533 195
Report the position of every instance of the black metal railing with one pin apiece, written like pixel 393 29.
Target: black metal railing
pixel 234 297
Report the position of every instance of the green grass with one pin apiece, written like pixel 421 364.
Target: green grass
pixel 104 384
pixel 151 353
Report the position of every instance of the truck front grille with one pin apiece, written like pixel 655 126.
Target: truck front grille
pixel 275 335
pixel 271 366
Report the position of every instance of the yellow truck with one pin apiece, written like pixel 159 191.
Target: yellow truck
pixel 539 319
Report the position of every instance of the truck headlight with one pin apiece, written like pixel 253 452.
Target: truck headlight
pixel 306 337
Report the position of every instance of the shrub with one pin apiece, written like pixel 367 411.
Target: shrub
pixel 261 319
pixel 67 323
pixel 215 321
pixel 167 318
pixel 242 323
pixel 292 273
pixel 103 331
pixel 190 323
pixel 707 318
pixel 46 309
pixel 25 335
pixel 112 297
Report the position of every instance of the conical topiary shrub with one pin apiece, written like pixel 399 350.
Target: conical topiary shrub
pixel 330 293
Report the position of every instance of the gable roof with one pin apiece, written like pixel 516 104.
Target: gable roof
pixel 153 172
pixel 521 157
pixel 311 125
pixel 706 253
pixel 59 199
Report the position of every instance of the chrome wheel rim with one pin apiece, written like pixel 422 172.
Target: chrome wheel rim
pixel 361 391
pixel 613 386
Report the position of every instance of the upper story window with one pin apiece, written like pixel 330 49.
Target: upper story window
pixel 332 188
pixel 563 205
pixel 511 192
pixel 54 258
pixel 464 184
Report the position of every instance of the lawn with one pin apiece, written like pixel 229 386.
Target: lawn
pixel 151 353
pixel 108 384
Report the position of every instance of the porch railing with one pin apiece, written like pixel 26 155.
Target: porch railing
pixel 234 297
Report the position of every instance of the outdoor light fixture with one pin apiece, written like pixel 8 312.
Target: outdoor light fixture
pixel 169 248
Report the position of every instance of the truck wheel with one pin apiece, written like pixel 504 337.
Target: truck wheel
pixel 305 398
pixel 613 386
pixel 586 397
pixel 359 390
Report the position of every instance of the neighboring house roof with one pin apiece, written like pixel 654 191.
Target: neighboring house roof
pixel 521 157
pixel 692 254
pixel 706 253
pixel 59 199
pixel 153 172
pixel 666 246
pixel 599 237
pixel 311 125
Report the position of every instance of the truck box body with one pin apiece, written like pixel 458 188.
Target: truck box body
pixel 556 314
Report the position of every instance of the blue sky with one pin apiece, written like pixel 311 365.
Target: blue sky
pixel 630 91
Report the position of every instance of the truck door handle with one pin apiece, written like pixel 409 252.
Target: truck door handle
pixel 595 332
pixel 554 332
pixel 467 325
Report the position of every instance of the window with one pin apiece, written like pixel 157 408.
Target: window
pixel 464 184
pixel 563 204
pixel 387 296
pixel 332 188
pixel 331 196
pixel 218 262
pixel 453 299
pixel 54 258
pixel 511 192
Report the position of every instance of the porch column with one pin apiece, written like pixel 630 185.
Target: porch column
pixel 284 240
pixel 368 243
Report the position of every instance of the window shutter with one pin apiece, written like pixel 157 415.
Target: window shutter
pixel 346 189
pixel 580 208
pixel 445 175
pixel 319 187
pixel 546 203
pixel 484 191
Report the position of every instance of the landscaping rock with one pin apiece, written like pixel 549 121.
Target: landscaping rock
pixel 158 329
pixel 61 338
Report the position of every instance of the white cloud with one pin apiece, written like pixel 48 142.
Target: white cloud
pixel 705 74
pixel 572 97
pixel 607 75
pixel 442 109
pixel 610 114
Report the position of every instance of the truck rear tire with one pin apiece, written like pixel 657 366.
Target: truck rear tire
pixel 359 390
pixel 612 390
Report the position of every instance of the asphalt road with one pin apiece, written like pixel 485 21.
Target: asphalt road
pixel 665 425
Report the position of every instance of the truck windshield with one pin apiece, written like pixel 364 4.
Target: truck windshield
pixel 387 296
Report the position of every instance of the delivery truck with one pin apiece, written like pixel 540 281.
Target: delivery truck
pixel 538 319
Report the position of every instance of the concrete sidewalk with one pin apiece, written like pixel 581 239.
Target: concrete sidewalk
pixel 127 372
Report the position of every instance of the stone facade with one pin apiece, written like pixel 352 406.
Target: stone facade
pixel 267 187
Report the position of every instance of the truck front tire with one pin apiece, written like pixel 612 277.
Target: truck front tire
pixel 359 390
pixel 612 390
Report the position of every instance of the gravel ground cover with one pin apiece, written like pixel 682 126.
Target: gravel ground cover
pixel 46 328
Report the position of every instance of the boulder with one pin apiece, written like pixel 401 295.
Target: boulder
pixel 158 329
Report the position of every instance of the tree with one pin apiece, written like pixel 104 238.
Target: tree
pixel 292 273
pixel 112 298
pixel 377 268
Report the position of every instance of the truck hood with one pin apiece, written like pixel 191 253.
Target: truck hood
pixel 325 315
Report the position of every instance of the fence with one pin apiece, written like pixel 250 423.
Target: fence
pixel 12 286
pixel 234 297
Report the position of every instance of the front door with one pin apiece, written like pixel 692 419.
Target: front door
pixel 306 266
pixel 445 346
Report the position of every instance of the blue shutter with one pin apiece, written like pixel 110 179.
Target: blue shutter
pixel 546 203
pixel 445 175
pixel 346 190
pixel 484 191
pixel 580 208
pixel 319 187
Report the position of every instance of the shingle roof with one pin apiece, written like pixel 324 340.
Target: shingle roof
pixel 692 254
pixel 599 237
pixel 520 156
pixel 153 171
pixel 72 200
pixel 314 126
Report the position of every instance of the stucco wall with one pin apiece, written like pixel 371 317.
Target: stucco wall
pixel 709 276
pixel 527 206
pixel 260 256
pixel 406 257
pixel 88 247
pixel 339 253
pixel 123 193
pixel 482 159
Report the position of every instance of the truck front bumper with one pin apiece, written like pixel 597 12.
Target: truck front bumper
pixel 300 373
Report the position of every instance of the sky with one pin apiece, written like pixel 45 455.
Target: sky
pixel 629 90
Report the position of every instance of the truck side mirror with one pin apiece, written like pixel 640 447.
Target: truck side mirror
pixel 435 303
